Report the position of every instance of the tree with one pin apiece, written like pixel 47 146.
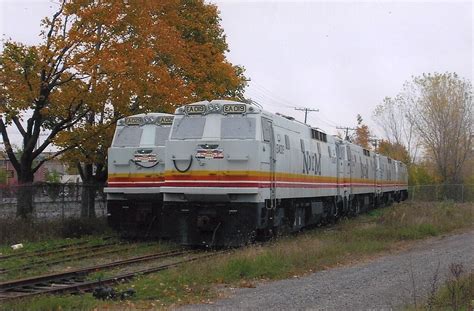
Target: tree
pixel 187 45
pixel 391 116
pixel 52 177
pixel 362 133
pixel 104 59
pixel 396 151
pixel 36 93
pixel 421 174
pixel 439 106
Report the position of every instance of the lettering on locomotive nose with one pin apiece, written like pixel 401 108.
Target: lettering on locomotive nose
pixel 234 108
pixel 133 120
pixel 195 109
pixel 166 120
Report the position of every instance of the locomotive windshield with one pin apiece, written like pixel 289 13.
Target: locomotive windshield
pixel 238 128
pixel 188 127
pixel 128 136
pixel 161 135
pixel 147 135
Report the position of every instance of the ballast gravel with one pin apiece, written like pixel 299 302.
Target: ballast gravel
pixel 386 283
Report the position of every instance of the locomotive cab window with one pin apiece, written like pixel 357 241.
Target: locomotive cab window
pixel 188 128
pixel 128 136
pixel 161 135
pixel 238 128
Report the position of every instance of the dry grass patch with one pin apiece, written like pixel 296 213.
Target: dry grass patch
pixel 351 240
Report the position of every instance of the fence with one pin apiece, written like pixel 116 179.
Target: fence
pixel 454 192
pixel 52 201
pixel 60 201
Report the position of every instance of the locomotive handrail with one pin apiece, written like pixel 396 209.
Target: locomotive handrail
pixel 186 169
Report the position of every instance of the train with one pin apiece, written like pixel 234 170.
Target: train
pixel 136 168
pixel 235 173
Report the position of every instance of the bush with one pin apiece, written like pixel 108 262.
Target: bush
pixel 77 227
pixel 18 231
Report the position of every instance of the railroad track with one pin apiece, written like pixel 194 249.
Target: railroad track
pixel 74 281
pixel 75 254
pixel 55 250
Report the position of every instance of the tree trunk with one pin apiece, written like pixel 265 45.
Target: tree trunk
pixel 89 190
pixel 88 200
pixel 24 195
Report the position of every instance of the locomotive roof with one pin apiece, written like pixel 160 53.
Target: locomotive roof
pixel 150 114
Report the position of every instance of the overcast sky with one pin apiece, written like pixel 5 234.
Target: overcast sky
pixel 342 58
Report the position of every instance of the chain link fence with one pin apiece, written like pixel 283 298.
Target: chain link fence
pixel 460 193
pixel 51 201
pixel 61 201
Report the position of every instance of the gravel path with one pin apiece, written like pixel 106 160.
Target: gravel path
pixel 382 284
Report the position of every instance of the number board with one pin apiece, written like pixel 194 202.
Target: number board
pixel 235 108
pixel 166 120
pixel 195 109
pixel 133 120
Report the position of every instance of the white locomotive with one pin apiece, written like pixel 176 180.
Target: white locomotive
pixel 136 172
pixel 234 172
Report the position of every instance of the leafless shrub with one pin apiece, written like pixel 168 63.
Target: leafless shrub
pixel 413 284
pixel 455 285
pixel 433 288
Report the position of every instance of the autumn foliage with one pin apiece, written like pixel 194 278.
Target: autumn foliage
pixel 101 60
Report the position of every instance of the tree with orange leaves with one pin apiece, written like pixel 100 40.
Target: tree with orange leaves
pixel 396 151
pixel 101 60
pixel 362 133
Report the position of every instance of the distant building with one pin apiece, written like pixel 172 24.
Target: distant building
pixel 71 179
pixel 53 165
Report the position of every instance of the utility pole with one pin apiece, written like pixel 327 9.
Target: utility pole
pixel 375 141
pixel 347 129
pixel 306 110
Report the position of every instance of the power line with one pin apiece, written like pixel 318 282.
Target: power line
pixel 329 121
pixel 306 110
pixel 347 129
pixel 273 95
pixel 375 141
pixel 271 98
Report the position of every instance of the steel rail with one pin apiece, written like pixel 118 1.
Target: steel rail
pixel 62 259
pixel 54 250
pixel 8 285
pixel 86 286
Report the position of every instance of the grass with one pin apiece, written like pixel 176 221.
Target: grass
pixel 352 240
pixel 13 231
pixel 457 293
pixel 126 250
